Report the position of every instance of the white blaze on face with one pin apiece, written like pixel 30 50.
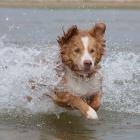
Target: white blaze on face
pixel 86 55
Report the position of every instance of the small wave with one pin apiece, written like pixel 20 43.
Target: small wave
pixel 19 64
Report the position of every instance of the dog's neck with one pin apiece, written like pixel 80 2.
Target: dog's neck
pixel 84 84
pixel 81 76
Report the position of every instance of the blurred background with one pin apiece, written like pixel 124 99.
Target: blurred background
pixel 72 3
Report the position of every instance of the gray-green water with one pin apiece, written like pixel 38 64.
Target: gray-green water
pixel 112 125
pixel 24 37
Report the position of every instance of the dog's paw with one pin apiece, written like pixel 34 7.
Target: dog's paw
pixel 91 114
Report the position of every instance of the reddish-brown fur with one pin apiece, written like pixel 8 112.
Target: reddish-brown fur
pixel 71 50
pixel 70 40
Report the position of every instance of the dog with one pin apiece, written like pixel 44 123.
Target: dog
pixel 81 51
pixel 81 87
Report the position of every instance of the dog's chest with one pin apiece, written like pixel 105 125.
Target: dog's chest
pixel 84 86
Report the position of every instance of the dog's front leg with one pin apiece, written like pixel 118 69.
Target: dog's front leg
pixel 96 101
pixel 66 99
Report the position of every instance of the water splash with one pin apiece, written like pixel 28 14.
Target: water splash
pixel 19 64
pixel 121 82
pixel 17 67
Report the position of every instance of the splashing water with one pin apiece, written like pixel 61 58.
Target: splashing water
pixel 17 67
pixel 19 64
pixel 121 82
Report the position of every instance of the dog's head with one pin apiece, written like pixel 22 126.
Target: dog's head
pixel 81 50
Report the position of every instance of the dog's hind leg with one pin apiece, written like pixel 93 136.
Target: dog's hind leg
pixel 69 100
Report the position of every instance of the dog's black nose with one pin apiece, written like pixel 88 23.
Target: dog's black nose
pixel 87 64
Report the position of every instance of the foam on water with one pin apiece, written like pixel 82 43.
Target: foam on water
pixel 121 82
pixel 17 67
pixel 19 64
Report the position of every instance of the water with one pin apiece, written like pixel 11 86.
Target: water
pixel 28 51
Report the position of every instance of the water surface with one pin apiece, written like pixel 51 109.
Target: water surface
pixel 28 50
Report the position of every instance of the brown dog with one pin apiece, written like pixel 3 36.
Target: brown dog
pixel 81 51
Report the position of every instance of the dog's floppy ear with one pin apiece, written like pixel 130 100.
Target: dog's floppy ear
pixel 98 30
pixel 67 35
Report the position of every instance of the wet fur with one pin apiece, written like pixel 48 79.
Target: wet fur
pixel 66 42
pixel 69 42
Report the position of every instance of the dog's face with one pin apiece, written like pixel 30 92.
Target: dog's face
pixel 80 50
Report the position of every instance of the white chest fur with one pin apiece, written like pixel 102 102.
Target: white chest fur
pixel 80 86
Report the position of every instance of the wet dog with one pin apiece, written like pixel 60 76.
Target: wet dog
pixel 81 51
pixel 81 87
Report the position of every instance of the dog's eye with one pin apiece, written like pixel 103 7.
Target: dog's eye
pixel 92 50
pixel 77 50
